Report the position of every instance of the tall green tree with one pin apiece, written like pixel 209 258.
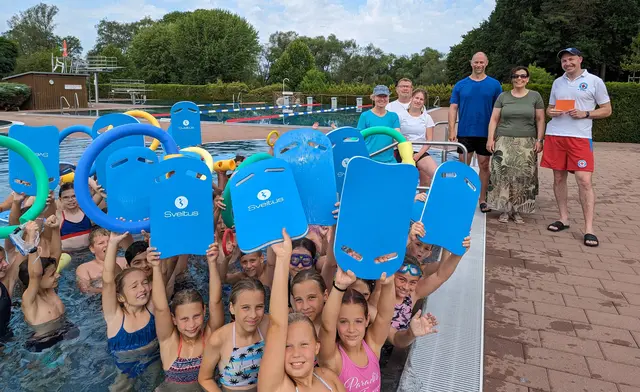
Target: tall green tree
pixel 215 44
pixel 32 29
pixel 36 61
pixel 631 61
pixel 8 56
pixel 118 34
pixel 74 47
pixel 294 64
pixel 152 56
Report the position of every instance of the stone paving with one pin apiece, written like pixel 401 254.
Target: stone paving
pixel 560 316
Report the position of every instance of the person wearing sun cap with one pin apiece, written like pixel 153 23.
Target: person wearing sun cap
pixel 568 147
pixel 379 116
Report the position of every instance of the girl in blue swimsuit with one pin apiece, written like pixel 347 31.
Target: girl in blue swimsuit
pixel 128 311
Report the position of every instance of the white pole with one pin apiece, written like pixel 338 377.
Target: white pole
pixel 309 103
pixel 334 102
pixel 95 83
pixel 359 105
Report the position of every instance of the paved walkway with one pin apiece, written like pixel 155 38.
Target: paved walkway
pixel 560 316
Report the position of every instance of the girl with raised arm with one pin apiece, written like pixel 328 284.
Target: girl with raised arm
pixel 292 343
pixel 181 329
pixel 131 328
pixel 356 352
pixel 237 348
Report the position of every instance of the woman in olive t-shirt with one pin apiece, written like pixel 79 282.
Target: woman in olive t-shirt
pixel 515 139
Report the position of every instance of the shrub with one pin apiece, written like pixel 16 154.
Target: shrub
pixel 13 95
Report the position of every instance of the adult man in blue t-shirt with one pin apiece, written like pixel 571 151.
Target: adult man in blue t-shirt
pixel 380 116
pixel 474 96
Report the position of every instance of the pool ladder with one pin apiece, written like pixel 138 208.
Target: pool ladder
pixel 76 104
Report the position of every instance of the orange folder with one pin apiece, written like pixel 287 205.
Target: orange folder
pixel 565 104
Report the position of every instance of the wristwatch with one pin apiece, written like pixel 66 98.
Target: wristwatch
pixel 540 140
pixel 587 116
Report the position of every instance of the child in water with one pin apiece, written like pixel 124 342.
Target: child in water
pixel 89 274
pixel 128 312
pixel 181 329
pixel 42 308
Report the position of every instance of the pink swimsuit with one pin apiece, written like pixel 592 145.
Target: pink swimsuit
pixel 360 379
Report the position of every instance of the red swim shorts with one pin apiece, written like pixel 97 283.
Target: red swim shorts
pixel 568 153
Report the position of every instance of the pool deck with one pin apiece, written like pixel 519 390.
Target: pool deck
pixel 559 316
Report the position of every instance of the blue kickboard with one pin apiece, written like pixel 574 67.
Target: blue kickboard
pixel 347 142
pixel 309 154
pixel 181 207
pixel 453 197
pixel 265 200
pixel 43 141
pixel 115 119
pixel 374 220
pixel 185 124
pixel 129 175
pixel 416 211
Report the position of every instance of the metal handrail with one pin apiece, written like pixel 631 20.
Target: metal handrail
pixel 77 103
pixel 63 99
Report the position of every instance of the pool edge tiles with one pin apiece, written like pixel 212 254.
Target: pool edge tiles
pixel 452 359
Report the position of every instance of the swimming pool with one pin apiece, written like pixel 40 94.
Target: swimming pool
pixel 340 119
pixel 83 363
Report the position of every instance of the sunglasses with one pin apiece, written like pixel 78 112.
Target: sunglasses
pixel 298 260
pixel 410 269
pixel 519 76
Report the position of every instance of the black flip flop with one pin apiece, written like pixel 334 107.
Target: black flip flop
pixel 558 225
pixel 592 238
pixel 484 207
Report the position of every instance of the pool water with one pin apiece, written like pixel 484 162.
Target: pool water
pixel 340 119
pixel 83 363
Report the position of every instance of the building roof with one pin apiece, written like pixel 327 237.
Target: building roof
pixel 43 73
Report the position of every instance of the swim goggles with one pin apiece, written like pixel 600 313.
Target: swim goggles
pixel 21 245
pixel 410 269
pixel 298 260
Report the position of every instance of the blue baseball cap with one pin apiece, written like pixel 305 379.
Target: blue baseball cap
pixel 572 51
pixel 381 90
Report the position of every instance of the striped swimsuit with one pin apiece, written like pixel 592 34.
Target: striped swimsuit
pixel 184 370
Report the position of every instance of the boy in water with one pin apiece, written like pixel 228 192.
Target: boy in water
pixel 89 275
pixel 42 308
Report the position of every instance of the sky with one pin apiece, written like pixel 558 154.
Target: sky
pixel 397 26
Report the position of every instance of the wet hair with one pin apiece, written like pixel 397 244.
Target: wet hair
pixel 183 297
pixel 520 68
pixel 352 296
pixel 306 244
pixel 119 280
pixel 23 272
pixel 301 318
pixel 371 284
pixel 309 274
pixel 240 158
pixel 135 249
pixel 65 187
pixel 242 254
pixel 2 251
pixel 411 260
pixel 96 232
pixel 246 284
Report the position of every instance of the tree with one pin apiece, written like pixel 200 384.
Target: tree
pixel 314 81
pixel 8 56
pixel 151 54
pixel 118 34
pixel 540 75
pixel 631 61
pixel 214 44
pixel 294 63
pixel 125 72
pixel 74 47
pixel 526 31
pixel 37 61
pixel 32 30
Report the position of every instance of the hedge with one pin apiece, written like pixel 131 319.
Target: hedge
pixel 621 127
pixel 13 95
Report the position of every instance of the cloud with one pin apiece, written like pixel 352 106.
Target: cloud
pixel 396 26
